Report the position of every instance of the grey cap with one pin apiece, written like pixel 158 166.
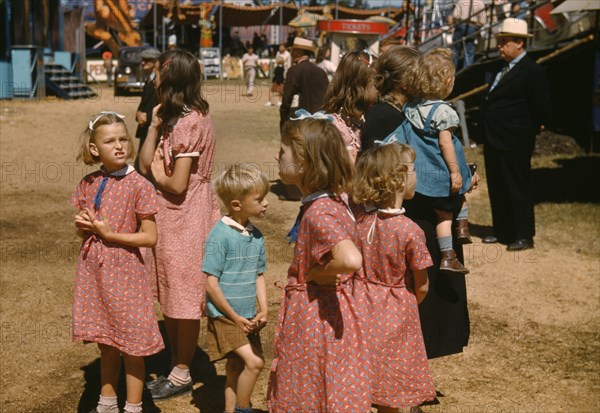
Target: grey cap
pixel 150 53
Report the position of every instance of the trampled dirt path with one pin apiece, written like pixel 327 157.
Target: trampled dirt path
pixel 535 316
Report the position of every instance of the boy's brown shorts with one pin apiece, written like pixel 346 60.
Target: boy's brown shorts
pixel 224 336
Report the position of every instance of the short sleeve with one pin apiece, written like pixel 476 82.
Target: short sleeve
pixel 215 251
pixel 262 258
pixel 326 231
pixel 417 255
pixel 445 117
pixel 78 196
pixel 146 202
pixel 186 138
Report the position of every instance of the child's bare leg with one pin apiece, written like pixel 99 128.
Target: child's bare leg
pixel 253 364
pixel 444 224
pixel 463 235
pixel 110 368
pixel 443 231
pixel 233 368
pixel 187 341
pixel 172 325
pixel 134 378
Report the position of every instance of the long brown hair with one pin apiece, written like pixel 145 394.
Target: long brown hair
pixel 397 71
pixel 319 148
pixel 347 92
pixel 180 85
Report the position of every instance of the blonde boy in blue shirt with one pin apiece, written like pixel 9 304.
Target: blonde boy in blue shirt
pixel 234 262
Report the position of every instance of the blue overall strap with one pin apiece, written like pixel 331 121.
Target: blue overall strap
pixel 427 126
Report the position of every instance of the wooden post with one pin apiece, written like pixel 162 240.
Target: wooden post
pixel 460 108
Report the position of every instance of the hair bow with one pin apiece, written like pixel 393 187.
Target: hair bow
pixel 304 114
pixel 391 138
pixel 100 115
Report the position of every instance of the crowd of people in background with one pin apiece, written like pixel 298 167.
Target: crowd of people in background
pixel 376 284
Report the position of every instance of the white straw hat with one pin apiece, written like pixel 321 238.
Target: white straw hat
pixel 301 43
pixel 513 28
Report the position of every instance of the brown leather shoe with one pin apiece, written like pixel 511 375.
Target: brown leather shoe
pixel 462 231
pixel 451 264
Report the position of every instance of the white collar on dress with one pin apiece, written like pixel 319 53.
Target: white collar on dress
pixel 315 195
pixel 388 211
pixel 126 170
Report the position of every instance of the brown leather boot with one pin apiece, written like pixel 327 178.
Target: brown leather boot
pixel 451 263
pixel 462 231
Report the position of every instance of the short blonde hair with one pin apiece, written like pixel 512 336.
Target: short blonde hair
pixel 381 173
pixel 435 70
pixel 239 180
pixel 319 148
pixel 87 137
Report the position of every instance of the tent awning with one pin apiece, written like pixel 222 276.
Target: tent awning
pixel 236 16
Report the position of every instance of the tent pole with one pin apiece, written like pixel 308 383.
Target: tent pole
pixel 280 40
pixel 154 20
pixel 221 39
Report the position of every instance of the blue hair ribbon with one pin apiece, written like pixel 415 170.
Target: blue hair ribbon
pixel 304 114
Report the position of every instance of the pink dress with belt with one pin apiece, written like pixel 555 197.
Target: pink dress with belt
pixel 392 247
pixel 184 221
pixel 320 362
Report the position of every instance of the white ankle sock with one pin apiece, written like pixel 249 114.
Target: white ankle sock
pixel 133 408
pixel 107 404
pixel 180 377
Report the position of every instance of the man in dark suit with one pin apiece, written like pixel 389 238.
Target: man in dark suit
pixel 304 79
pixel 143 115
pixel 516 105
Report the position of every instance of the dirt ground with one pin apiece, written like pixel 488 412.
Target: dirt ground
pixel 535 315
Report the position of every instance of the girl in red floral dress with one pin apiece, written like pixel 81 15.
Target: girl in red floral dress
pixel 394 278
pixel 320 362
pixel 179 154
pixel 112 298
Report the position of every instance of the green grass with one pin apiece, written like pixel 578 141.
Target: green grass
pixel 567 201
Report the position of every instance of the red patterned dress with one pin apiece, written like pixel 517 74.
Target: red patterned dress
pixel 393 245
pixel 184 221
pixel 112 298
pixel 320 363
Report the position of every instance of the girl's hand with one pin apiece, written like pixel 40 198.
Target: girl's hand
pixel 158 165
pixel 333 279
pixel 246 325
pixel 259 321
pixel 101 227
pixel 456 181
pixel 474 181
pixel 83 222
pixel 156 121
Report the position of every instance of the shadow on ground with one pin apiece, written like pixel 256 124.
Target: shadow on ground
pixel 573 181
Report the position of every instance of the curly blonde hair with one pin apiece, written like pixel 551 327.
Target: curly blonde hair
pixel 319 148
pixel 381 173
pixel 435 70
pixel 397 71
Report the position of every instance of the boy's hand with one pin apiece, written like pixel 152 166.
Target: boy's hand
pixel 246 325
pixel 259 321
pixel 456 181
